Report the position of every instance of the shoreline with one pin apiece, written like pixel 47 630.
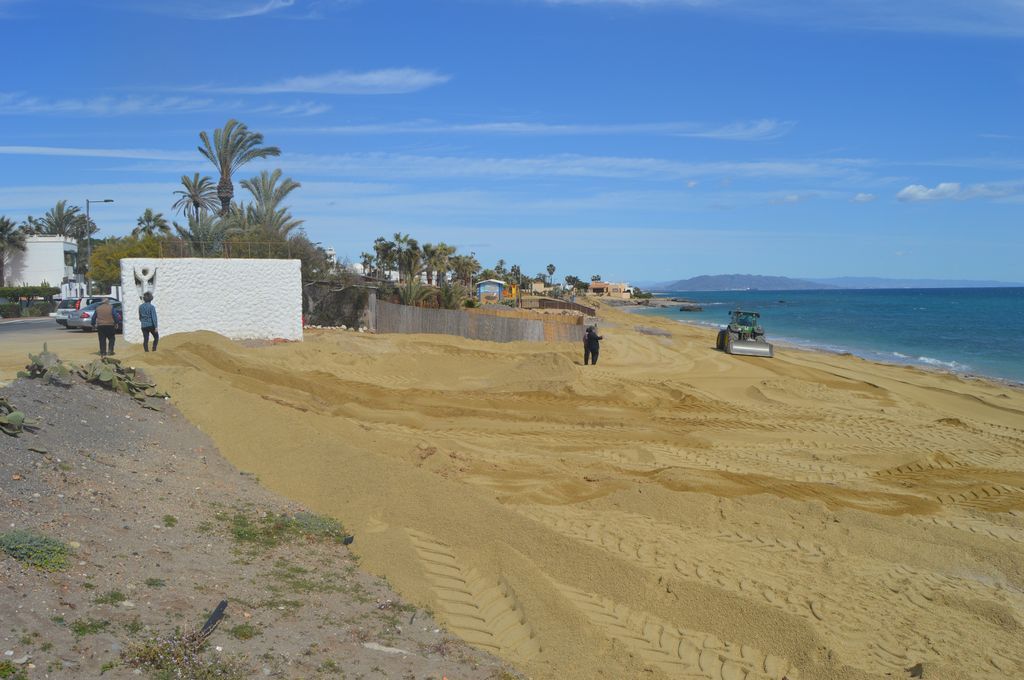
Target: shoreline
pixel 866 355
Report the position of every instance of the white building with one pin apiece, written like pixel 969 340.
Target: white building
pixel 47 260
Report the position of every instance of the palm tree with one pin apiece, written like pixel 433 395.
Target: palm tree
pixel 12 237
pixel 437 260
pixel 465 268
pixel 199 194
pixel 150 224
pixel 414 292
pixel 233 146
pixel 408 256
pixel 385 252
pixel 266 210
pixel 551 273
pixel 451 295
pixel 366 260
pixel 64 220
pixel 205 234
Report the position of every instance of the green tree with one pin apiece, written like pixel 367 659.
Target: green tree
pixel 151 224
pixel 12 237
pixel 105 266
pixel 408 256
pixel 266 211
pixel 551 273
pixel 412 292
pixel 232 147
pixel 451 295
pixel 204 235
pixel 64 220
pixel 465 268
pixel 197 195
pixel 367 260
pixel 385 252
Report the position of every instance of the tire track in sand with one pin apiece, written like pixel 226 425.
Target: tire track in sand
pixel 679 652
pixel 483 612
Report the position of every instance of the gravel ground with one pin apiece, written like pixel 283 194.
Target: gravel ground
pixel 161 529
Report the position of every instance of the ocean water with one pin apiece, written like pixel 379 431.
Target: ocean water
pixel 974 331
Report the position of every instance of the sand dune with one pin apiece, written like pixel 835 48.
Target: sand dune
pixel 673 512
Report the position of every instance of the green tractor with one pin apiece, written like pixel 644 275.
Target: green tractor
pixel 744 335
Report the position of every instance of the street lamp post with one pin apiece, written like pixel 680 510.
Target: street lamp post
pixel 88 243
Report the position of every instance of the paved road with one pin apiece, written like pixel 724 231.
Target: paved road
pixel 19 337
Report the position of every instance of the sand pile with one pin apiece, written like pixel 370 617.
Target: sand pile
pixel 673 512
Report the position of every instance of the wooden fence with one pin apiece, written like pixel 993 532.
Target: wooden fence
pixel 549 303
pixel 391 318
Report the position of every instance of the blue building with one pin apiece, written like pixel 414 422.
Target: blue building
pixel 490 290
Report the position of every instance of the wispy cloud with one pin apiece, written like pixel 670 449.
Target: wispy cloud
pixel 390 166
pixel 136 154
pixel 743 131
pixel 964 17
pixel 382 81
pixel 223 10
pixel 19 104
pixel 863 198
pixel 955 191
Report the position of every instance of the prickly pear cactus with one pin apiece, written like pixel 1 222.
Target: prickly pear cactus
pixel 48 366
pixel 110 373
pixel 12 421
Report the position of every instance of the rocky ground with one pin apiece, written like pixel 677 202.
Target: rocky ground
pixel 158 529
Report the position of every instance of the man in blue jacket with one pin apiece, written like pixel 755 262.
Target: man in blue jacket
pixel 147 317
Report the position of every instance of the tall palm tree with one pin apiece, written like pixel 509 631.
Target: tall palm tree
pixel 436 260
pixel 12 237
pixel 64 220
pixel 232 147
pixel 551 273
pixel 385 252
pixel 150 224
pixel 367 261
pixel 198 194
pixel 266 210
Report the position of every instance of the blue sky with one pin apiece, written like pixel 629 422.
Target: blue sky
pixel 638 139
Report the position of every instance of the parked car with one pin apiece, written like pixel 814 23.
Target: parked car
pixel 82 318
pixel 71 306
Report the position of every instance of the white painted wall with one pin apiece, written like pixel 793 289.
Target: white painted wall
pixel 238 298
pixel 42 260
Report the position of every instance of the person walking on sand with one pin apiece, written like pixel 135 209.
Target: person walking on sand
pixel 591 346
pixel 104 321
pixel 147 317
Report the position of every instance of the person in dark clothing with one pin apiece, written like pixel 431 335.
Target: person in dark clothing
pixel 591 346
pixel 147 317
pixel 105 320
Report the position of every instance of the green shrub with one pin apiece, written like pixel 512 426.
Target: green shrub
pixel 113 597
pixel 35 549
pixel 10 310
pixel 39 309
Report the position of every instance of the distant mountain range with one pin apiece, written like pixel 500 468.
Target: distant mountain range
pixel 757 282
pixel 742 282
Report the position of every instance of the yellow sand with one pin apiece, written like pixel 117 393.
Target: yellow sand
pixel 672 512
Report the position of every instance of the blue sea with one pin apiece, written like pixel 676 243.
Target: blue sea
pixel 974 331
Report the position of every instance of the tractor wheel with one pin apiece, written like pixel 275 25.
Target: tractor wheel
pixel 720 341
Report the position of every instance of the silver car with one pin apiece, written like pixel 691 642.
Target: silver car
pixel 82 318
pixel 69 307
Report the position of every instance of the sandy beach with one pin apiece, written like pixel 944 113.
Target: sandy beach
pixel 672 512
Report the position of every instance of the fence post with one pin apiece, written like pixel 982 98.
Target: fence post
pixel 371 310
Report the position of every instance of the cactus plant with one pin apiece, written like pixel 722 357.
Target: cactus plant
pixel 110 373
pixel 47 365
pixel 12 421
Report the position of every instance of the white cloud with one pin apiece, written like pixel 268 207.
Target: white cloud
pixel 919 192
pixel 382 81
pixel 222 10
pixel 14 104
pixel 953 190
pixel 744 131
pixel 963 17
pixel 137 154
pixel 257 9
pixel 863 198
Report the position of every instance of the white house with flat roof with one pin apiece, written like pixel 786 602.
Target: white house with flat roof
pixel 46 259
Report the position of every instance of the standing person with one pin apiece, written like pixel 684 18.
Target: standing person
pixel 105 319
pixel 591 346
pixel 147 317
